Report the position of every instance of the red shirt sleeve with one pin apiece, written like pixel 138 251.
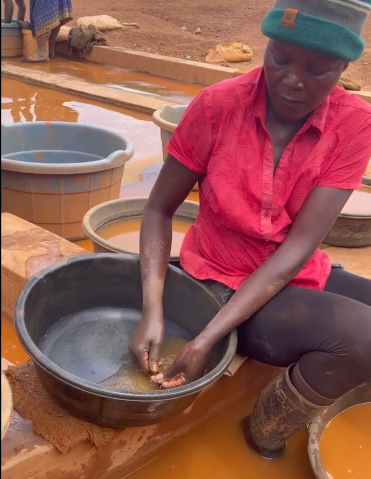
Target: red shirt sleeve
pixel 191 141
pixel 346 171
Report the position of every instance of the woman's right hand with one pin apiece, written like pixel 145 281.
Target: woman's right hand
pixel 147 340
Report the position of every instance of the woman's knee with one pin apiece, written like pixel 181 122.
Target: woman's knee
pixel 358 348
pixel 349 345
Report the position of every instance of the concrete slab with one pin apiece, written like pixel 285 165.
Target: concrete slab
pixel 168 67
pixel 174 68
pixel 355 260
pixel 27 456
pixel 133 101
pixel 25 250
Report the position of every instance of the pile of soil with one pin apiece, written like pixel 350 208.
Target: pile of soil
pixel 168 27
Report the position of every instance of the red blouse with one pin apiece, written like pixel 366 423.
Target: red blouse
pixel 246 211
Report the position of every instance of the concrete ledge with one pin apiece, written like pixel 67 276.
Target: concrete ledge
pixel 168 67
pixel 355 260
pixel 26 249
pixel 132 101
pixel 159 65
pixel 27 456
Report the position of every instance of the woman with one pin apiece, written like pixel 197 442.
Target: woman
pixel 277 153
pixel 47 17
pixel 9 9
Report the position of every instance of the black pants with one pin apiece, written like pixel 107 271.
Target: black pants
pixel 326 333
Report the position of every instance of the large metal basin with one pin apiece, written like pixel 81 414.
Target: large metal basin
pixel 359 395
pixel 100 280
pixel 105 213
pixel 352 229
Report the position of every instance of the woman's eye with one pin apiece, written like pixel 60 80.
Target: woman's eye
pixel 316 72
pixel 280 60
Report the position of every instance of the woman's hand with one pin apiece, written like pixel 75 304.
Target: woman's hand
pixel 188 366
pixel 147 340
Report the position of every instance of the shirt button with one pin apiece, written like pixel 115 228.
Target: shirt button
pixel 270 252
pixel 266 214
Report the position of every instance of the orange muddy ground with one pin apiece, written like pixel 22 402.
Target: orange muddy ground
pixel 161 23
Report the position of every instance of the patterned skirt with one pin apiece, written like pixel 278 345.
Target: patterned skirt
pixel 48 14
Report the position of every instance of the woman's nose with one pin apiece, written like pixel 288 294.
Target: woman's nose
pixel 293 81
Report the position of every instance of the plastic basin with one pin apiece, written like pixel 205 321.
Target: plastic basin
pixel 11 39
pixel 111 211
pixel 52 173
pixel 167 118
pixel 352 229
pixel 360 395
pixel 102 280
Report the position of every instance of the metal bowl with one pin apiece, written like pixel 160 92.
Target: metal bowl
pixel 115 210
pixel 360 395
pixel 76 286
pixel 351 229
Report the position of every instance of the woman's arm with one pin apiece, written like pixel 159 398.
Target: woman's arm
pixel 170 190
pixel 191 143
pixel 311 225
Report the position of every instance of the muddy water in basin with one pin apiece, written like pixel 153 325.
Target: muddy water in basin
pixel 345 447
pixel 120 79
pixel 92 344
pixel 130 378
pixel 125 234
pixel 27 102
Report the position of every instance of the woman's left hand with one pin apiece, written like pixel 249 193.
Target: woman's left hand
pixel 188 366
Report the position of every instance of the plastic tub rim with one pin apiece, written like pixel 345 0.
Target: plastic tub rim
pixel 114 160
pixel 166 125
pixel 92 234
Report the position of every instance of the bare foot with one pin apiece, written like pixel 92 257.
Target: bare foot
pixel 35 59
pixel 51 54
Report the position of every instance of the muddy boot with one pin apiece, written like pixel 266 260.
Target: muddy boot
pixel 279 413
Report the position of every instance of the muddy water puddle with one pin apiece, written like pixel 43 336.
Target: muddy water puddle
pixel 120 79
pixel 27 102
pixel 218 451
pixel 11 348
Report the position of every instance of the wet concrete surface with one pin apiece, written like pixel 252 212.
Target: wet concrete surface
pixel 27 102
pixel 218 450
pixel 124 80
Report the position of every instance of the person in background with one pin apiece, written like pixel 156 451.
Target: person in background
pixel 9 9
pixel 277 153
pixel 47 17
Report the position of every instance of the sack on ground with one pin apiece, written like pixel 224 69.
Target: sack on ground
pixel 103 23
pixel 349 84
pixel 229 52
pixel 63 34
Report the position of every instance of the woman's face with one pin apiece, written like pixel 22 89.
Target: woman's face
pixel 299 80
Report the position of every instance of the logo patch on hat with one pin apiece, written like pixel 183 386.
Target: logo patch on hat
pixel 289 18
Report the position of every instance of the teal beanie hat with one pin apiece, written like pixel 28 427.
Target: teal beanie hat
pixel 330 26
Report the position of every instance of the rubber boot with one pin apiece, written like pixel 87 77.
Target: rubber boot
pixel 279 413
